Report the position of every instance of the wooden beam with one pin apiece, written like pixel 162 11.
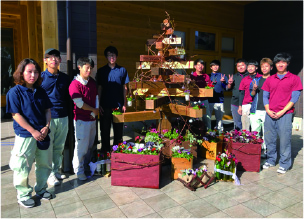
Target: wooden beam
pixel 9 9
pixel 167 65
pixel 32 30
pixel 49 25
pixel 137 116
pixel 151 58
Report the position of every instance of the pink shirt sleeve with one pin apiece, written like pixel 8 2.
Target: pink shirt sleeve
pixel 74 90
pixel 297 85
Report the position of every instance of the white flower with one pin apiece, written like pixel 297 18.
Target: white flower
pixel 195 102
pixel 152 95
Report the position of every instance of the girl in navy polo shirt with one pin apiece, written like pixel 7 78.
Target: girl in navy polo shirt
pixel 30 108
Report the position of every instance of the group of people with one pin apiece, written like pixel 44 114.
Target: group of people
pixel 263 102
pixel 39 106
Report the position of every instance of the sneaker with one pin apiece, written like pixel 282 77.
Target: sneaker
pixel 60 176
pixel 46 195
pixel 281 170
pixel 264 155
pixel 267 165
pixel 82 177
pixel 53 181
pixel 28 203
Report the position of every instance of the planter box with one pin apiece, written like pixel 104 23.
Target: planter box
pixel 248 155
pixel 136 116
pixel 193 149
pixel 135 170
pixel 152 104
pixel 167 148
pixel 178 164
pixel 177 78
pixel 209 150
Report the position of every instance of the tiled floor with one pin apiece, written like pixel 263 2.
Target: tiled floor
pixel 263 194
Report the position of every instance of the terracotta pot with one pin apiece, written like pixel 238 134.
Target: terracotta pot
pixel 178 164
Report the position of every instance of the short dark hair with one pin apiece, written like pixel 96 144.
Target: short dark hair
pixel 266 60
pixel 199 61
pixel 283 56
pixel 110 49
pixel 18 74
pixel 253 62
pixel 240 61
pixel 215 62
pixel 84 60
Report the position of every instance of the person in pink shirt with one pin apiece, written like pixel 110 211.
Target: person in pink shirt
pixel 245 99
pixel 201 80
pixel 280 92
pixel 83 91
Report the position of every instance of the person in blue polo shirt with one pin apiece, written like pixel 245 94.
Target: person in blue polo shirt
pixel 56 84
pixel 112 90
pixel 30 107
pixel 216 102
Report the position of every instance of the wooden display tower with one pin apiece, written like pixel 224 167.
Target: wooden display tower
pixel 156 75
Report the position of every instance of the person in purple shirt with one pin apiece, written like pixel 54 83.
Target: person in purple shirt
pixel 56 84
pixel 30 107
pixel 112 90
pixel 281 92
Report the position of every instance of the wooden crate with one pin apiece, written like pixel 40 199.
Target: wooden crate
pixel 248 155
pixel 177 78
pixel 136 116
pixel 167 148
pixel 186 111
pixel 151 58
pixel 193 149
pixel 178 164
pixel 209 150
pixel 135 170
pixel 159 45
pixel 153 104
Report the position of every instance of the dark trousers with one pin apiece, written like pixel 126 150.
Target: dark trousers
pixel 105 130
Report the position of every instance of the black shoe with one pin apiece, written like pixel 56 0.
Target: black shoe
pixel 263 156
pixel 28 203
pixel 46 195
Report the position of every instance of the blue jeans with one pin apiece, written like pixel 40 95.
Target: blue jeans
pixel 283 128
pixel 237 118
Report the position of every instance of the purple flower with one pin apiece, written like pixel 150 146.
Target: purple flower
pixel 124 142
pixel 139 150
pixel 188 153
pixel 126 126
pixel 115 147
pixel 176 130
pixel 179 151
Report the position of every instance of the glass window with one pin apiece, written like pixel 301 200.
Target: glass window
pixel 227 66
pixel 7 59
pixel 204 40
pixel 181 34
pixel 228 44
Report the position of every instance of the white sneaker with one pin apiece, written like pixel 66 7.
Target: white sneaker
pixel 281 170
pixel 82 177
pixel 267 165
pixel 60 176
pixel 53 181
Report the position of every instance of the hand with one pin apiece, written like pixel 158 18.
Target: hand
pixel 279 114
pixel 95 111
pixel 37 135
pixel 124 108
pixel 240 110
pixel 230 80
pixel 101 110
pixel 44 131
pixel 255 86
pixel 271 113
pixel 222 77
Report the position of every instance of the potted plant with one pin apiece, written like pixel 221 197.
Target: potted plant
pixel 225 166
pixel 246 146
pixel 136 165
pixel 181 159
pixel 129 99
pixel 211 144
pixel 187 95
pixel 116 111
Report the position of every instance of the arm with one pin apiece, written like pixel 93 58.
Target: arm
pixel 241 98
pixel 46 128
pixel 125 91
pixel 294 98
pixel 24 124
pixel 266 95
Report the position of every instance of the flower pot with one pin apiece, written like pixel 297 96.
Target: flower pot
pixel 193 149
pixel 129 103
pixel 135 170
pixel 187 97
pixel 178 164
pixel 248 155
pixel 209 150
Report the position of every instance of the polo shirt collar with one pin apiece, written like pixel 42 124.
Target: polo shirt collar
pixel 196 75
pixel 113 67
pixel 50 74
pixel 23 88
pixel 81 80
pixel 288 74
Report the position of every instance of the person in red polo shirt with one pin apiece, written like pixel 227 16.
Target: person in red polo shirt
pixel 245 97
pixel 281 92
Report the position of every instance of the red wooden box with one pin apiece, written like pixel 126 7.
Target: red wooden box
pixel 248 155
pixel 135 170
